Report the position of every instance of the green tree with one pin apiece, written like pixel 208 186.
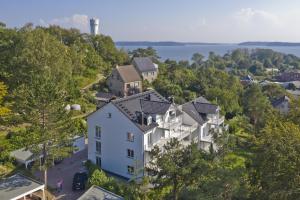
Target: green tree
pixel 3 92
pixel 50 130
pixel 197 58
pixel 277 163
pixel 273 91
pixel 148 52
pixel 256 105
pixel 176 168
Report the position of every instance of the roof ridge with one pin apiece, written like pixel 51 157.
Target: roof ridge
pixel 132 96
pixel 205 103
pixel 167 102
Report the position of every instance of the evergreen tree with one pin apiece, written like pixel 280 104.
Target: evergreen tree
pixel 50 129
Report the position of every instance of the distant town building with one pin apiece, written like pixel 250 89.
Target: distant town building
pixel 94 26
pixel 146 68
pixel 247 80
pixel 124 81
pixel 293 75
pixel 282 104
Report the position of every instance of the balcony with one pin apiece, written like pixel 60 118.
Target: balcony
pixel 171 124
pixel 181 132
pixel 216 120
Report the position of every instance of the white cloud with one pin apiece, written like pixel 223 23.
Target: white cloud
pixel 78 21
pixel 250 16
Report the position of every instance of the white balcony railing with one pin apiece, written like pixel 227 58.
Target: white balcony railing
pixel 181 132
pixel 216 120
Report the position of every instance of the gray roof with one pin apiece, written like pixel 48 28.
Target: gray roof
pixel 199 108
pixel 277 102
pixel 18 185
pixel 104 96
pixel 98 193
pixel 22 155
pixel 128 73
pixel 154 107
pixel 149 102
pixel 144 64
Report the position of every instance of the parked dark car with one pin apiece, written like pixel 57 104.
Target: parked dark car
pixel 79 180
pixel 58 161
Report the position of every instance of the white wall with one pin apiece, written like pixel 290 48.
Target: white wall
pixel 114 142
pixel 79 144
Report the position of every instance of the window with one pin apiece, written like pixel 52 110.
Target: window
pixel 108 115
pixel 130 169
pixel 130 153
pixel 149 139
pixel 127 85
pixel 98 147
pixel 98 132
pixel 130 137
pixel 98 161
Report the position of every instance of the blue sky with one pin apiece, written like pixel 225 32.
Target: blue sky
pixel 166 20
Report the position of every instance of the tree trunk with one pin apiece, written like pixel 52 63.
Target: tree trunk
pixel 45 178
pixel 175 195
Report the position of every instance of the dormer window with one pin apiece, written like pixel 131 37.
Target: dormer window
pixel 172 113
pixel 149 120
pixel 108 115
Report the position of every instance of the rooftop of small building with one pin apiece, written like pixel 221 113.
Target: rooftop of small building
pixel 98 193
pixel 144 64
pixel 18 185
pixel 128 73
pixel 280 100
pixel 199 108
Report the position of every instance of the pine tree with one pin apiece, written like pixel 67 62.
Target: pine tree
pixel 50 127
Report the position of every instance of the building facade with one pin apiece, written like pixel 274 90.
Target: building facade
pixel 146 68
pixel 292 75
pixel 122 133
pixel 124 81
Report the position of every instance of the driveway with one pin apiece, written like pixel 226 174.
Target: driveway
pixel 66 170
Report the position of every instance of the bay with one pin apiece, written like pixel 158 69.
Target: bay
pixel 186 52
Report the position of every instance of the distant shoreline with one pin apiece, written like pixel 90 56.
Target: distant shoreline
pixel 275 44
pixel 166 43
pixel 170 43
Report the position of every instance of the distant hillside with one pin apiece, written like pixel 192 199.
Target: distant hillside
pixel 163 43
pixel 284 44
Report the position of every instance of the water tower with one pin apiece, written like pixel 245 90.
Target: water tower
pixel 94 25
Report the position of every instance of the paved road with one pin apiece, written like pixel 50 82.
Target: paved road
pixel 99 77
pixel 66 170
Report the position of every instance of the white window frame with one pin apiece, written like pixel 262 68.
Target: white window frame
pixel 98 132
pixel 98 158
pixel 130 169
pixel 130 153
pixel 98 151
pixel 130 137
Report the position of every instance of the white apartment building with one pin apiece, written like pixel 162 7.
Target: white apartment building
pixel 123 132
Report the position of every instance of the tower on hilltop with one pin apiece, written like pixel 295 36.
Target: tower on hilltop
pixel 94 26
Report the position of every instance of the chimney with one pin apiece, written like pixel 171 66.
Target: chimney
pixel 171 99
pixel 140 117
pixel 148 97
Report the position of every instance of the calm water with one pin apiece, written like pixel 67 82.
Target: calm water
pixel 186 52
